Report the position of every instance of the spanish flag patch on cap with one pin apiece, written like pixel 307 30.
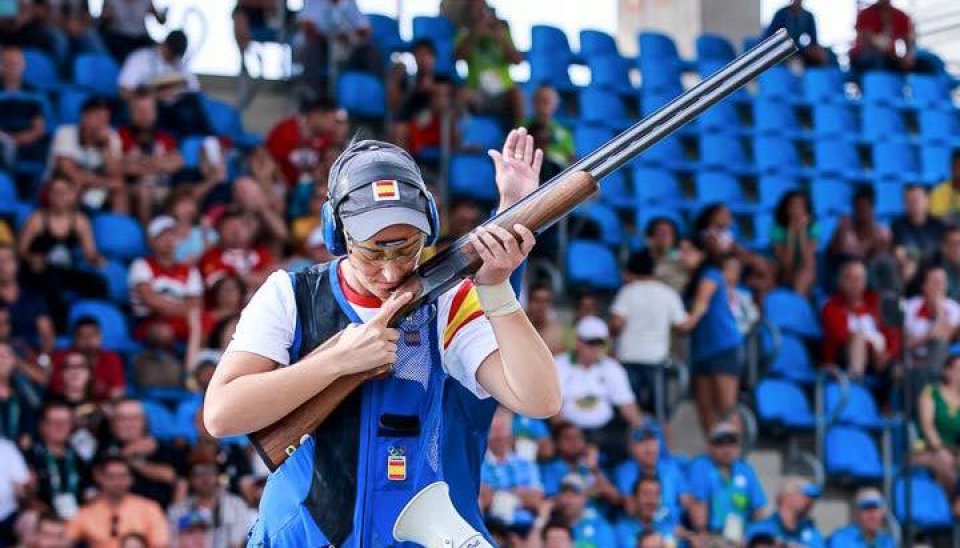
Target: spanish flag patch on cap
pixel 385 189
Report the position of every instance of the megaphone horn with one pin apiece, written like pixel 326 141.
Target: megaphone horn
pixel 431 520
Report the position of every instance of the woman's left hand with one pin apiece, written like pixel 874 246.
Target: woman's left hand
pixel 500 251
pixel 517 167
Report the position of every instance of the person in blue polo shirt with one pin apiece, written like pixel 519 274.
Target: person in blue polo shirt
pixel 866 531
pixel 646 459
pixel 590 529
pixel 791 524
pixel 650 514
pixel 510 489
pixel 726 489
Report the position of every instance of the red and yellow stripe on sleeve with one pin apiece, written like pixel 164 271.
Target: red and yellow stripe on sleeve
pixel 464 309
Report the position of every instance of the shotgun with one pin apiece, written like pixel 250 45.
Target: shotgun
pixel 538 211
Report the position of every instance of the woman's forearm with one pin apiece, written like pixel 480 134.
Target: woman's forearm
pixel 528 372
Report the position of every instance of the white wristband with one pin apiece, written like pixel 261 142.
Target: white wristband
pixel 498 300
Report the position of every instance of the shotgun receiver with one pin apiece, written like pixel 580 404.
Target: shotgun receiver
pixel 539 210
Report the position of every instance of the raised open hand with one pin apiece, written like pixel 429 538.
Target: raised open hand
pixel 517 167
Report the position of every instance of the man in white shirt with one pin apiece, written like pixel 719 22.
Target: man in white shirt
pixel 13 480
pixel 596 388
pixel 160 67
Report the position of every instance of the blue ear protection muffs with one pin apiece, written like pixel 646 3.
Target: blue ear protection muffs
pixel 340 186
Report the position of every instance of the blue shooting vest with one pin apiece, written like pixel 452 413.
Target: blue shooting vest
pixel 346 485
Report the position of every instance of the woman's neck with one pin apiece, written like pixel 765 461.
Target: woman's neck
pixel 352 279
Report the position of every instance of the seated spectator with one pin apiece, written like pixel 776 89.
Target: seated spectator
pixel 643 313
pixel 931 320
pixel 224 514
pixel 166 295
pixel 940 425
pixel 77 391
pixel 543 316
pixel 89 155
pixel 802 27
pixel 251 22
pixel 23 129
pixel 945 197
pixel 50 531
pixel 57 245
pixel 551 531
pixel 299 143
pixel 31 322
pixel 670 256
pixel 648 460
pixel 574 456
pixel 107 369
pixel 648 515
pixel 150 156
pixel 559 149
pixel 332 31
pixel 60 476
pixel 861 236
pixel 587 524
pixel 419 126
pixel 596 390
pixel 18 402
pixel 794 238
pixel 117 512
pixel 405 91
pixel 885 40
pixel 727 491
pixel 263 210
pixel 916 234
pixel 151 463
pixel 194 237
pixel 869 514
pixel 14 476
pixel 226 300
pixel 510 489
pixel 949 259
pixel 790 523
pixel 487 47
pixel 22 22
pixel 72 20
pixel 235 254
pixel 125 27
pixel 854 334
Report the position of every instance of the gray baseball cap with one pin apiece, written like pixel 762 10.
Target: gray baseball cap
pixel 376 185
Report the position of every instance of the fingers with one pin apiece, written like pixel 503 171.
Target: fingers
pixel 537 161
pixel 510 144
pixel 527 238
pixel 390 307
pixel 497 159
pixel 507 240
pixel 527 147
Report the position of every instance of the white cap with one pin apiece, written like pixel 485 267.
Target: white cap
pixel 591 328
pixel 315 239
pixel 160 225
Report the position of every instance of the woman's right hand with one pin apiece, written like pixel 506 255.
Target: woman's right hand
pixel 371 345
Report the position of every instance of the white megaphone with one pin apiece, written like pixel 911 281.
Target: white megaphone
pixel 431 520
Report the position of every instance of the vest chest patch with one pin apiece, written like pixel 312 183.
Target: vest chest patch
pixel 396 464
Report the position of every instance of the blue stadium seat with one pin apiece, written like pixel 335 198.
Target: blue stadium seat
pixel 588 137
pixel 668 153
pixel 889 199
pixel 928 91
pixel 852 453
pixel 828 225
pixel 837 157
pixel 611 73
pixel 935 162
pixel 721 117
pixel 750 42
pixel 661 78
pixel 160 420
pixel 113 325
pixel 39 70
pixel 71 100
pixel 119 237
pixel 386 34
pixel 882 122
pixel 552 40
pixel 604 218
pixel 778 84
pixel 823 85
pixel 595 43
pixel 96 73
pixel 483 132
pixel 441 32
pixel 645 214
pixel 833 119
pixel 658 47
pixel 190 149
pixel 770 188
pixel 716 186
pixel 592 264
pixel 708 67
pixel 116 275
pixel 930 507
pixel 656 186
pixel 774 117
pixel 860 410
pixel 651 102
pixel 8 190
pixel 883 88
pixel 896 160
pixel 783 403
pixel 604 108
pixel 791 313
pixel 939 125
pixel 761 226
pixel 362 94
pixel 714 47
pixel 616 192
pixel 831 197
pixel 773 154
pixel 793 362
pixel 724 152
pixel 546 68
pixel 472 176
pixel 226 121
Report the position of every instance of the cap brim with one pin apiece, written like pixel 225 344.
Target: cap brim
pixel 363 226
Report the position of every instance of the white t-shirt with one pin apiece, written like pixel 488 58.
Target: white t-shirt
pixel 650 308
pixel 13 473
pixel 146 64
pixel 328 18
pixel 66 144
pixel 589 393
pixel 177 281
pixel 919 319
pixel 268 322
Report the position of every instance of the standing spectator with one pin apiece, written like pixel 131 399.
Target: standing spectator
pixel 125 27
pixel 950 260
pixel 574 456
pixel 790 523
pixel 916 234
pixel 794 241
pixel 726 488
pixel 23 129
pixel 885 40
pixel 487 47
pixel 802 27
pixel 647 460
pixel 868 523
pixel 589 526
pixel 596 390
pixel 150 156
pixel 116 512
pixel 53 241
pixel 298 143
pixel 854 334
pixel 194 236
pixel 235 254
pixel 61 477
pixel 940 425
pixel 543 316
pixel 208 502
pixel 716 354
pixel 945 197
pixel 27 310
pixel 931 320
pixel 107 369
pixel 649 515
pixel 863 237
pixel 251 22
pixel 510 489
pixel 89 155
pixel 337 29
pixel 668 253
pixel 559 147
pixel 14 476
pixel 643 314
pixel 166 295
pixel 745 311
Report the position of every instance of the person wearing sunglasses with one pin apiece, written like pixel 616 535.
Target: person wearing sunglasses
pixel 346 484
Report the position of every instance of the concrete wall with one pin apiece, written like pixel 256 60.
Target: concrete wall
pixel 685 19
